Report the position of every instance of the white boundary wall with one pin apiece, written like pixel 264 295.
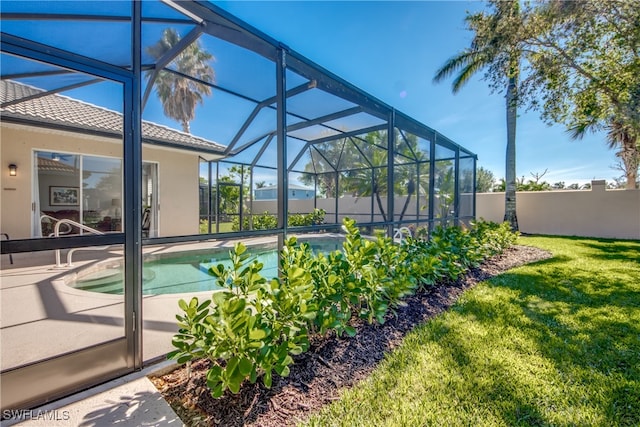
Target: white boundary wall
pixel 596 213
pixel 361 208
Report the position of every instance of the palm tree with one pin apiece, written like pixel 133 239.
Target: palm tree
pixel 619 135
pixel 406 175
pixel 180 95
pixel 367 176
pixel 322 166
pixel 494 47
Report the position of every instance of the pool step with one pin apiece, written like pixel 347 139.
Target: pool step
pixel 109 280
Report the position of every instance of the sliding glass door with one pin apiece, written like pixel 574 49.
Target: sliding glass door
pixel 79 188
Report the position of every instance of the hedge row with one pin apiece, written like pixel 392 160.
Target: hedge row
pixel 252 327
pixel 267 220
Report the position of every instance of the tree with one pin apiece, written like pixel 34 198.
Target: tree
pixel 360 163
pixel 180 95
pixel 444 190
pixel 406 179
pixel 233 187
pixel 496 47
pixel 560 185
pixel 622 181
pixel 369 174
pixel 585 71
pixel 485 180
pixel 619 135
pixel 531 185
pixel 324 165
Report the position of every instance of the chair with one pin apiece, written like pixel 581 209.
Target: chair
pixel 7 237
pixel 146 222
pixel 401 234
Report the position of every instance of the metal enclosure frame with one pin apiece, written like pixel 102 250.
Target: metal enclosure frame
pixel 208 19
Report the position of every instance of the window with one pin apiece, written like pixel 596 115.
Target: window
pixel 78 188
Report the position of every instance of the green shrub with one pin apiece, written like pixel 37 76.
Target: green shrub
pixel 377 271
pixel 252 328
pixel 263 221
pixel 203 226
pixel 493 238
pixel 302 220
pixel 266 221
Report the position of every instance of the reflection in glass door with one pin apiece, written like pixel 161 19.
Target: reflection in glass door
pixel 79 189
pixel 150 204
pixel 102 193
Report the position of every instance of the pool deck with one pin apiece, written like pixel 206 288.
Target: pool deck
pixel 42 317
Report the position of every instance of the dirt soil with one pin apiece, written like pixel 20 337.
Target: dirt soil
pixel 329 366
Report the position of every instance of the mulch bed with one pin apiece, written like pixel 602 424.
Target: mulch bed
pixel 330 365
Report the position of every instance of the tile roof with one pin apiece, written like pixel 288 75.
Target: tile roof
pixel 55 166
pixel 54 109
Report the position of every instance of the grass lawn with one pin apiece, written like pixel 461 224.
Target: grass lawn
pixel 556 342
pixel 224 227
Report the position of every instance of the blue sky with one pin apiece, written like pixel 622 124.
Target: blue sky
pixel 392 49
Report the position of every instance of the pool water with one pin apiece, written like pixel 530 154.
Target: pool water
pixel 183 272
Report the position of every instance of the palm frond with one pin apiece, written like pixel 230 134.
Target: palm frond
pixel 579 130
pixel 465 75
pixel 452 65
pixel 466 63
pixel 619 134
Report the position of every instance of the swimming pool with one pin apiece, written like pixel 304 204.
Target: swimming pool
pixel 181 272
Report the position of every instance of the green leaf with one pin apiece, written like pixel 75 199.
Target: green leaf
pixel 240 248
pixel 296 273
pixel 245 366
pixel 310 315
pixel 214 373
pixel 237 306
pixel 296 350
pixel 204 304
pixel 217 390
pixel 217 270
pixel 257 334
pixel 232 364
pixel 219 297
pixel 184 358
pixel 183 305
pixel 234 386
pixel 266 379
pixel 284 372
pixel 288 360
pixel 238 376
pixel 349 330
pixel 173 354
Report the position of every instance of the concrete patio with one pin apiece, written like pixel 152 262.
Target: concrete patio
pixel 129 401
pixel 43 317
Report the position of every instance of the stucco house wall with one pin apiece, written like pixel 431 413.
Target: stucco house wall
pixel 178 176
